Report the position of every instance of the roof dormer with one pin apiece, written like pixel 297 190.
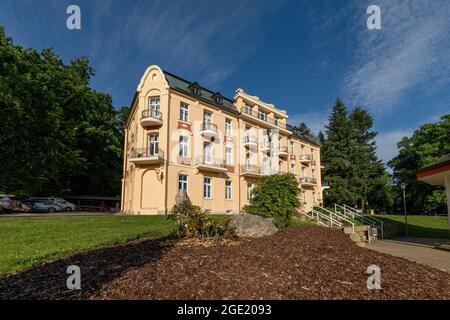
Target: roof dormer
pixel 195 88
pixel 217 97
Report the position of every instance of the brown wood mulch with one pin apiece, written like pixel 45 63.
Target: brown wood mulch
pixel 296 263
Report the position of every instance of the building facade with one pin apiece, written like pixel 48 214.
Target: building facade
pixel 181 136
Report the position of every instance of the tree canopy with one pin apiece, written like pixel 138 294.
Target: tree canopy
pixel 356 176
pixel 57 134
pixel 427 144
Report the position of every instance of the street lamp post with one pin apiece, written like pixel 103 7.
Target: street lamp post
pixel 403 186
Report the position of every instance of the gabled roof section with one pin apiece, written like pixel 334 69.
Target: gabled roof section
pixel 184 86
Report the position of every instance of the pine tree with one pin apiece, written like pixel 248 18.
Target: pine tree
pixel 303 130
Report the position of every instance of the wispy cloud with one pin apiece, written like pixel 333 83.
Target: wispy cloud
pixel 412 49
pixel 387 143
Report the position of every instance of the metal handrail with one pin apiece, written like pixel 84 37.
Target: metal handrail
pixel 267 119
pixel 372 221
pixel 209 126
pixel 327 217
pixel 146 153
pixel 214 162
pixel 338 215
pixel 151 113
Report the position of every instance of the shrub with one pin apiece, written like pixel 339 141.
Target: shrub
pixel 193 222
pixel 276 197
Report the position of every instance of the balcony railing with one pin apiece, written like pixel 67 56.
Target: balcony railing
pixel 265 118
pixel 210 162
pixel 305 157
pixel 209 126
pixel 283 150
pixel 151 113
pixel 146 155
pixel 308 180
pixel 251 169
pixel 250 139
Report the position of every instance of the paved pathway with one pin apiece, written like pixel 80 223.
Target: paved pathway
pixel 422 250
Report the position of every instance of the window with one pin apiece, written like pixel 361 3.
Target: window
pixel 154 107
pixel 247 109
pixel 303 150
pixel 266 170
pixel 207 153
pixel 182 182
pixel 275 121
pixel 228 127
pixel 314 197
pixel 262 115
pixel 183 146
pixel 293 168
pixel 228 194
pixel 292 147
pixel 248 160
pixel 313 173
pixel 303 172
pixel 229 156
pixel 207 120
pixel 249 191
pixel 207 188
pixel 312 154
pixel 184 112
pixel 153 144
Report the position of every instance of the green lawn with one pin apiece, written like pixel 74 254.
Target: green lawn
pixel 421 226
pixel 27 242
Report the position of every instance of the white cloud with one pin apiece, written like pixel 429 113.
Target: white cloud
pixel 410 52
pixel 387 143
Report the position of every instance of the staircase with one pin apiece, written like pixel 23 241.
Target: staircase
pixel 376 225
pixel 347 219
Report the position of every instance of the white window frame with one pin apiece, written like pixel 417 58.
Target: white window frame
pixel 262 115
pixel 250 188
pixel 207 153
pixel 207 188
pixel 153 145
pixel 184 111
pixel 154 105
pixel 228 127
pixel 229 155
pixel 183 146
pixel 183 183
pixel 228 190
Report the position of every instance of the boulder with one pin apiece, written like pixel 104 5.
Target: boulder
pixel 251 226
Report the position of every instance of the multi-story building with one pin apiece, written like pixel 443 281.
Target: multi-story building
pixel 181 136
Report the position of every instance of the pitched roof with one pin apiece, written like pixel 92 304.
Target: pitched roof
pixel 440 162
pixel 183 86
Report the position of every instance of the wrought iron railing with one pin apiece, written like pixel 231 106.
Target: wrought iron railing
pixel 146 153
pixel 308 180
pixel 305 157
pixel 151 113
pixel 267 119
pixel 209 126
pixel 250 168
pixel 250 139
pixel 208 161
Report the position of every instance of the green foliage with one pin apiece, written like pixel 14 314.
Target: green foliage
pixel 357 177
pixel 276 197
pixel 57 134
pixel 193 222
pixel 303 130
pixel 430 142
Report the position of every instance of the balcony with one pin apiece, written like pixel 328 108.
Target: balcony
pixel 249 170
pixel 151 118
pixel 250 141
pixel 255 116
pixel 265 145
pixel 305 158
pixel 283 152
pixel 308 181
pixel 209 130
pixel 210 164
pixel 144 156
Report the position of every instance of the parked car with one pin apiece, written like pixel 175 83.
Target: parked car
pixel 7 204
pixel 45 207
pixel 65 205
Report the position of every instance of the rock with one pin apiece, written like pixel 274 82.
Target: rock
pixel 251 226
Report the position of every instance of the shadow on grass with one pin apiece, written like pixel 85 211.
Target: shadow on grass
pixel 98 267
pixel 417 230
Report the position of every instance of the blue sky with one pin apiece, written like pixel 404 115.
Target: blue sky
pixel 299 55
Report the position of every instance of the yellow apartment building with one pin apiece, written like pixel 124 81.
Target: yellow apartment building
pixel 181 136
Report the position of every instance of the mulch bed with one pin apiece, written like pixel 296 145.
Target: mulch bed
pixel 296 263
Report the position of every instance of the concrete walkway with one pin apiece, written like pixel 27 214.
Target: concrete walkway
pixel 421 250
